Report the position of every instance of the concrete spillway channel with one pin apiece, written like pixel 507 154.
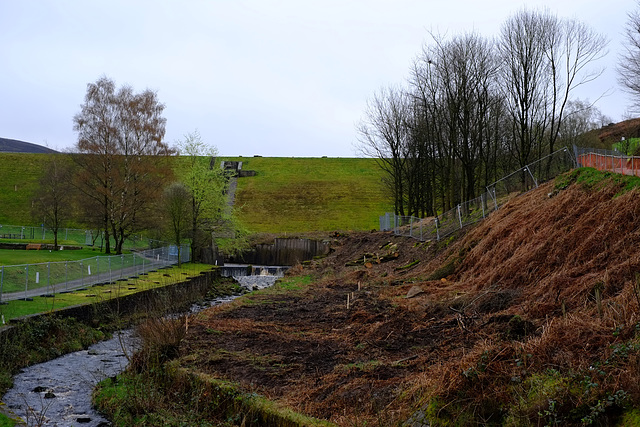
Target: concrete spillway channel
pixel 254 277
pixel 58 392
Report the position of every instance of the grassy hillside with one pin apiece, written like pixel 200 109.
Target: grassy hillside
pixel 286 195
pixel 310 194
pixel 19 175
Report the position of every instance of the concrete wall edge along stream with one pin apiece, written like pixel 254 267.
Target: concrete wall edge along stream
pixel 193 288
pixel 95 312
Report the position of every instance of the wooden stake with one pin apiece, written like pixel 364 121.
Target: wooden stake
pixel 347 301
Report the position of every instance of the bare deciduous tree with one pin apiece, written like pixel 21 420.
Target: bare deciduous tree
pixel 454 84
pixel 383 136
pixel 477 109
pixel 544 60
pixel 177 204
pixel 523 52
pixel 120 153
pixel 580 117
pixel 53 199
pixel 571 49
pixel 629 62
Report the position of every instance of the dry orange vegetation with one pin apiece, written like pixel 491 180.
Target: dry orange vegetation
pixel 530 318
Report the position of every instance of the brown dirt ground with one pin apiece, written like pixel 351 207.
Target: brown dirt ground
pixel 547 260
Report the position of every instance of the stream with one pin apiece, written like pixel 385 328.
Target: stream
pixel 57 393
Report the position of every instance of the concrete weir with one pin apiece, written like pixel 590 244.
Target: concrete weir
pixel 253 277
pixel 236 270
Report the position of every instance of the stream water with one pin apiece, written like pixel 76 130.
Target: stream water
pixel 57 393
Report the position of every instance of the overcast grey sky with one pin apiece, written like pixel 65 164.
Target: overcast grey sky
pixel 255 77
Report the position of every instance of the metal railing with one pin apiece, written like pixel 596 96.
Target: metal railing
pixel 472 211
pixel 28 280
pixel 607 160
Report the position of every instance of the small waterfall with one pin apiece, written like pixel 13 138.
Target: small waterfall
pixel 253 277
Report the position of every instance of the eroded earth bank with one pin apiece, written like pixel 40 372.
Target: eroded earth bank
pixel 529 318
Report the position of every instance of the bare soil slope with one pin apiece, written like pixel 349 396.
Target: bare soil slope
pixel 531 318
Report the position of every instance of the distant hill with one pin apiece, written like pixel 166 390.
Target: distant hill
pixel 15 146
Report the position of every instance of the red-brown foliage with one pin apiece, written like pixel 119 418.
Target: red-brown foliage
pixel 542 292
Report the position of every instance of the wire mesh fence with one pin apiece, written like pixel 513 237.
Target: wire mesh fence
pixel 69 236
pixel 607 160
pixel 472 211
pixel 29 280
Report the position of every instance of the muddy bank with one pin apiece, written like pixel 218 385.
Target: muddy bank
pixel 529 318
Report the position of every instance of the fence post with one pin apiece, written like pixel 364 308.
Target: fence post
pixel 495 199
pixel 534 180
pixel 437 230
pixel 26 282
pixel 1 281
pixel 459 216
pixel 81 275
pixel 482 204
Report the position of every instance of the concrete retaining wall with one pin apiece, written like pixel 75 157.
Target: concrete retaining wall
pixel 174 298
pixel 283 252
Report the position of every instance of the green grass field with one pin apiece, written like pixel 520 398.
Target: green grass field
pixel 286 195
pixel 98 293
pixel 628 146
pixel 28 270
pixel 19 176
pixel 310 194
pixel 19 257
pixel 6 421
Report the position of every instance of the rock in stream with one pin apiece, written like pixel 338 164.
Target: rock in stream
pixel 58 392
